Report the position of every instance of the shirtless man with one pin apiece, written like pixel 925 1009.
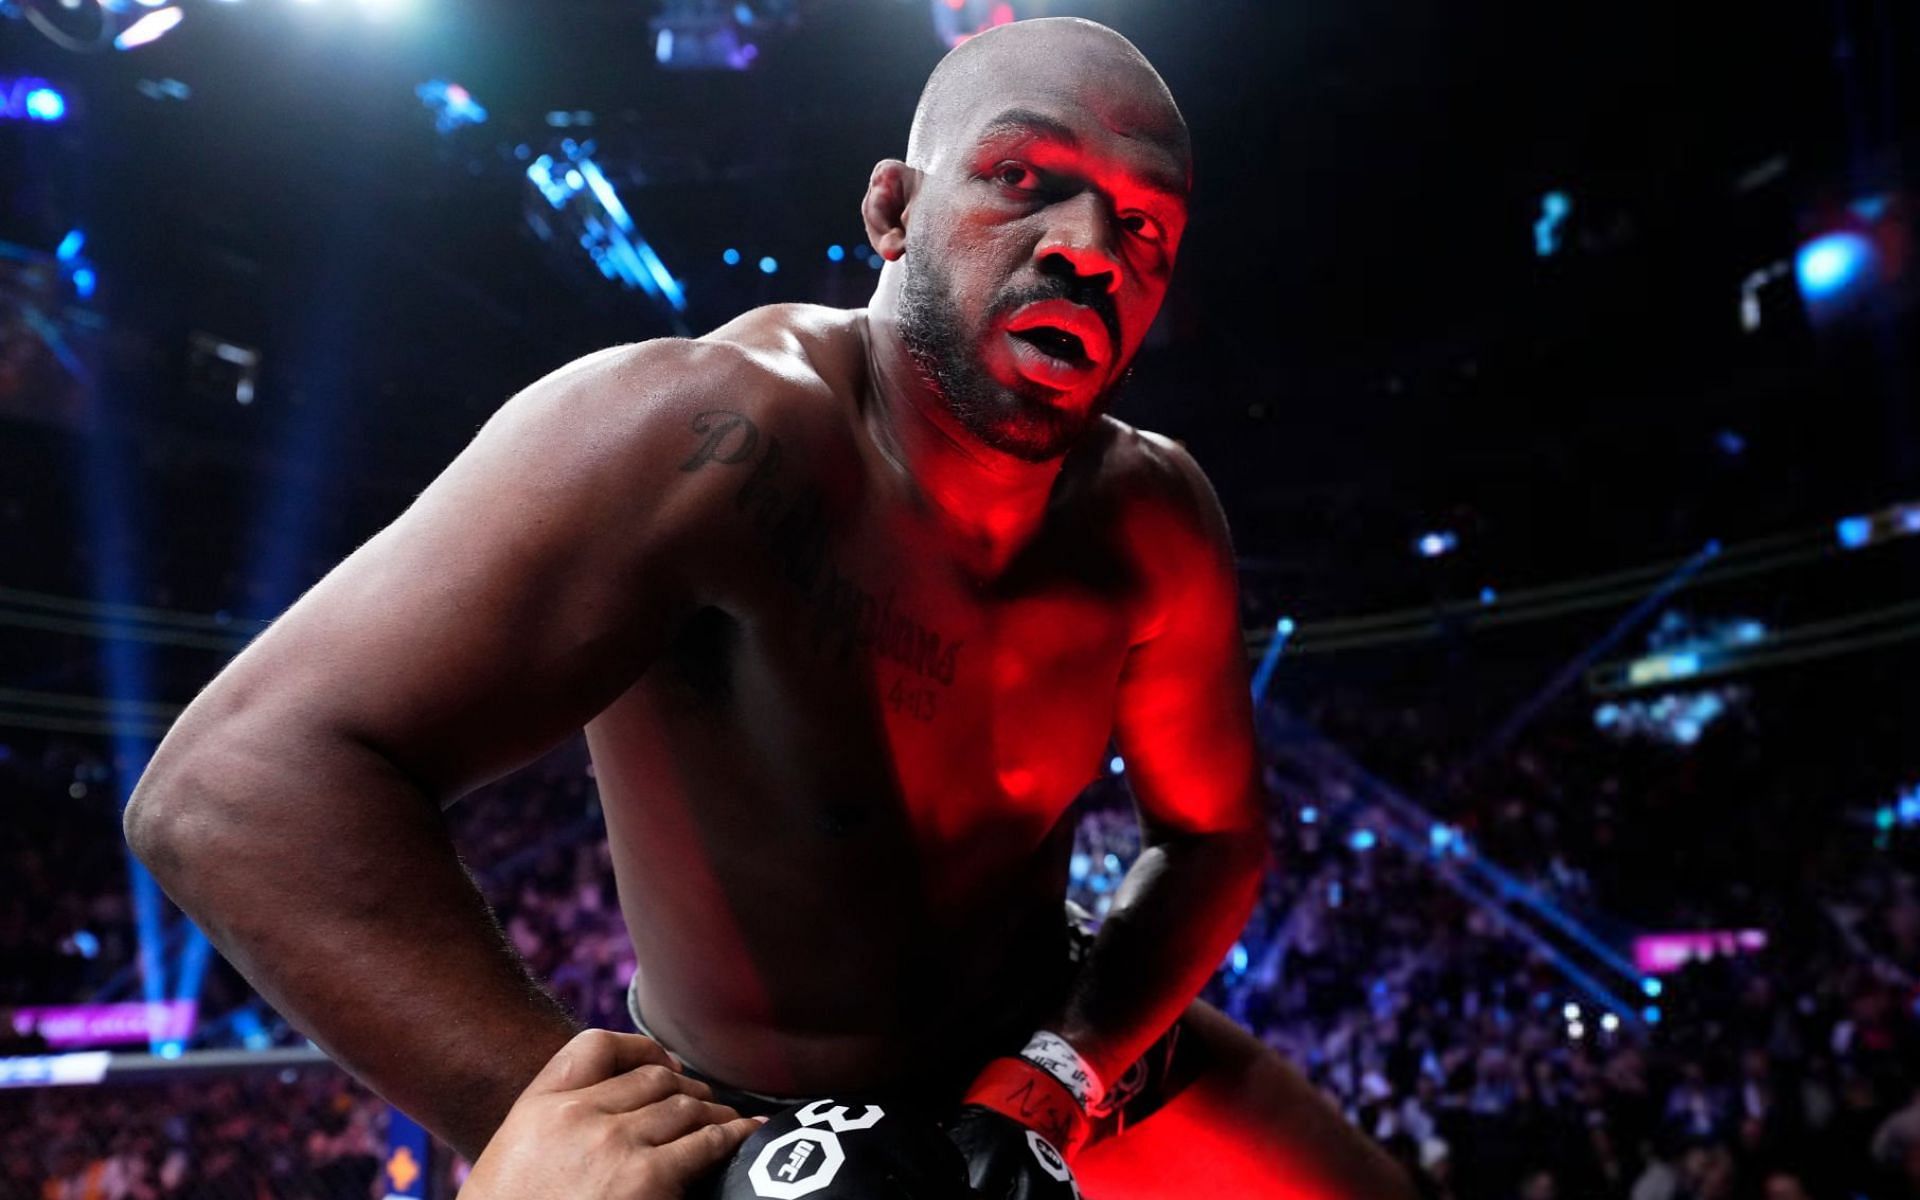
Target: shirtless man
pixel 849 604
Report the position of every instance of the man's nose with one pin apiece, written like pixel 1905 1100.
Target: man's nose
pixel 1079 239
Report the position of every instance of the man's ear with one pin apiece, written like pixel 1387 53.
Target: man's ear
pixel 890 193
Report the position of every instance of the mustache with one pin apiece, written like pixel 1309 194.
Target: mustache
pixel 1086 294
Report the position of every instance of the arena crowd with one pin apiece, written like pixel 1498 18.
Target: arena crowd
pixel 1787 1074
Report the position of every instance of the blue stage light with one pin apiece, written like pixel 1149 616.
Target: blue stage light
pixel 1239 959
pixel 1554 208
pixel 1650 1014
pixel 169 1049
pixel 1831 263
pixel 1363 840
pixel 836 252
pixel 70 246
pixel 1651 987
pixel 1488 595
pixel 45 104
pixel 1437 543
pixel 452 106
pixel 730 256
pixel 1116 764
pixel 1854 532
pixel 769 265
pixel 1309 814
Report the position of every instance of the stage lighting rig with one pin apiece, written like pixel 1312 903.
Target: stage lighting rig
pixel 571 204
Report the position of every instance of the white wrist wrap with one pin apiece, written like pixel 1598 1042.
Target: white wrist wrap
pixel 1057 1057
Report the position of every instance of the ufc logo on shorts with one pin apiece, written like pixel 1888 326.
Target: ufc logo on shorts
pixel 801 1152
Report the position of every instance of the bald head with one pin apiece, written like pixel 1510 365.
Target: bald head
pixel 1068 57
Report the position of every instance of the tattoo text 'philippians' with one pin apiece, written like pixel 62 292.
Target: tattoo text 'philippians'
pixel 789 519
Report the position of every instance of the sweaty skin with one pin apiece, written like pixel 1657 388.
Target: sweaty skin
pixel 849 604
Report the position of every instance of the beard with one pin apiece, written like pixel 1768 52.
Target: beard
pixel 1019 420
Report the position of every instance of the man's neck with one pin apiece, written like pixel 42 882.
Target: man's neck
pixel 989 499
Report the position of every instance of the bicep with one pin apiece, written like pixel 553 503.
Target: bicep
pixel 1183 717
pixel 518 596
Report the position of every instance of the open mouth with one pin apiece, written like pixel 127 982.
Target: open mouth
pixel 1056 343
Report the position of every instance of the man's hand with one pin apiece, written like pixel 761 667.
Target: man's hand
pixel 608 1117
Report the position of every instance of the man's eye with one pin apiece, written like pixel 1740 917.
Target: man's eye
pixel 1016 176
pixel 1143 227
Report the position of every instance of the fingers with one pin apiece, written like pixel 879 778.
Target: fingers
pixel 674 1117
pixel 642 1086
pixel 595 1055
pixel 706 1148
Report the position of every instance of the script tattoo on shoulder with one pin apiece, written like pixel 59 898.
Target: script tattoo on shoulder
pixel 788 516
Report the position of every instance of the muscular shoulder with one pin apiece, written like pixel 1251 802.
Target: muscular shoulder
pixel 1146 479
pixel 763 367
pixel 810 347
pixel 1163 511
pixel 772 369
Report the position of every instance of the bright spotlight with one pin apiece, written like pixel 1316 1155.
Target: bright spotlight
pixel 150 28
pixel 730 256
pixel 1437 543
pixel 769 265
pixel 1832 263
pixel 45 104
pixel 836 252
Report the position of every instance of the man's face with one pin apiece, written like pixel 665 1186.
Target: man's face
pixel 1040 248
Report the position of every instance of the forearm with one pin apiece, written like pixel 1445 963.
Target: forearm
pixel 1174 918
pixel 330 882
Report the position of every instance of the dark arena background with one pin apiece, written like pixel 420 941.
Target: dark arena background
pixel 1555 366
